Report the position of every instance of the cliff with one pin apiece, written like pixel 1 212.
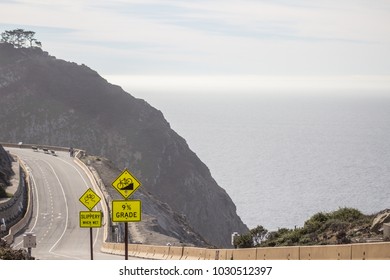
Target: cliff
pixel 49 101
pixel 5 171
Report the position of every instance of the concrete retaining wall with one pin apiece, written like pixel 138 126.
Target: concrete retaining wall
pixel 22 209
pixel 12 209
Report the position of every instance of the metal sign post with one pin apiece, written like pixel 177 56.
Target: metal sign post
pixel 126 241
pixel 91 242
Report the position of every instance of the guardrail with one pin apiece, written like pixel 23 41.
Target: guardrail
pixel 55 148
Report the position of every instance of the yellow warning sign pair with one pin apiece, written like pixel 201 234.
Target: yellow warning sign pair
pixel 126 210
pixel 122 210
pixel 90 219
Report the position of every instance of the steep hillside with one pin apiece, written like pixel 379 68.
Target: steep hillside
pixel 5 171
pixel 160 224
pixel 50 101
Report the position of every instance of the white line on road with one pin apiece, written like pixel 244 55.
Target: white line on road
pixel 66 204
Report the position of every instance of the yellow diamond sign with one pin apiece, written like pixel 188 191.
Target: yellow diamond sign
pixel 89 199
pixel 126 184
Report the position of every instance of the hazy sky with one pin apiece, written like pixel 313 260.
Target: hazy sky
pixel 275 38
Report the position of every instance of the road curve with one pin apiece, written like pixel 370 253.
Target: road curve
pixel 58 184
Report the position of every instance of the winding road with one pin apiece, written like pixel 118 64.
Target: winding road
pixel 58 183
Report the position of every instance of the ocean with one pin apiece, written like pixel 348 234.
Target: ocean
pixel 284 157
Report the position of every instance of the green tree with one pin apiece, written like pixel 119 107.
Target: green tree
pixel 244 241
pixel 254 237
pixel 259 234
pixel 20 38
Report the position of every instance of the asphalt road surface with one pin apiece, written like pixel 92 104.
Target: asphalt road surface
pixel 58 184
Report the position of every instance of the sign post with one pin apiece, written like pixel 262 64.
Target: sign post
pixel 126 210
pixel 90 219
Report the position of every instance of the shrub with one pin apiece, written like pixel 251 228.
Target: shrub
pixel 335 225
pixel 315 222
pixel 244 241
pixel 347 215
pixel 3 194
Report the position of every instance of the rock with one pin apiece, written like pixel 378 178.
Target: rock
pixel 386 231
pixel 5 170
pixel 379 220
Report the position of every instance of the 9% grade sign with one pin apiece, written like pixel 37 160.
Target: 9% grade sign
pixel 126 210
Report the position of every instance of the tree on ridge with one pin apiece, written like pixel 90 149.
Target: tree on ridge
pixel 20 38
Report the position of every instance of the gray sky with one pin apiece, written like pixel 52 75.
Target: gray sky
pixel 347 41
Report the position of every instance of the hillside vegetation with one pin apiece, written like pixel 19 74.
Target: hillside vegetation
pixel 342 226
pixel 5 171
pixel 7 253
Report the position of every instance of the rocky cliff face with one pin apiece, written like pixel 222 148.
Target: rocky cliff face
pixel 49 101
pixel 5 170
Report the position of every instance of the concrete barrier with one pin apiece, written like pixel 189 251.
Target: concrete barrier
pixel 194 253
pixel 145 252
pixel 119 249
pixel 245 254
pixel 328 252
pixel 278 253
pixel 175 253
pixel 371 251
pixel 212 254
pixel 160 252
pixel 132 249
pixel 225 254
pixel 29 146
pixel 107 248
pixel 364 251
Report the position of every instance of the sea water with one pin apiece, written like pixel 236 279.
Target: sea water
pixel 284 157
